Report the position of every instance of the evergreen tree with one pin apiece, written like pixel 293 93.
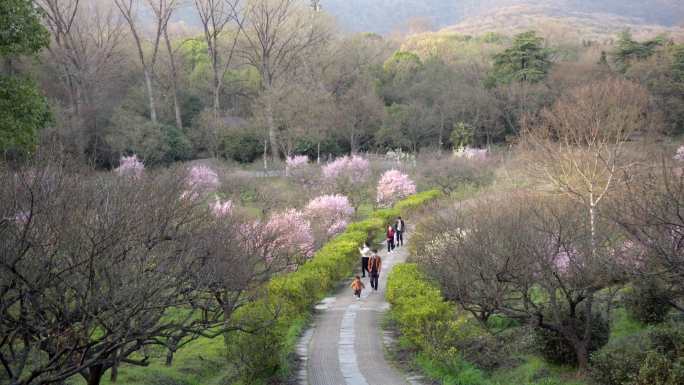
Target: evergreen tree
pixel 24 108
pixel 527 60
pixel 678 63
pixel 627 49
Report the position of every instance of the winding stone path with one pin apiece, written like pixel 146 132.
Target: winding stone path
pixel 345 345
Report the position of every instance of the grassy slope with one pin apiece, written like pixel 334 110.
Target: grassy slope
pixel 202 362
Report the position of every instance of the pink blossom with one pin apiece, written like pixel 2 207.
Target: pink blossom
pixel 680 154
pixel 221 209
pixel 337 227
pixel 630 256
pixel 394 185
pixel 562 262
pixel 296 161
pixel 189 195
pixel 130 166
pixel 202 178
pixel 331 212
pixel 356 168
pixel 292 233
pixel 22 217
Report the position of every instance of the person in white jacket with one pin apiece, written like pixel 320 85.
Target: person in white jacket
pixel 365 255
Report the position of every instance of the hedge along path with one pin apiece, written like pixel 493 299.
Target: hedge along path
pixel 268 354
pixel 346 346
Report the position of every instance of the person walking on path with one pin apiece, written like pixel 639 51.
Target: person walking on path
pixel 375 266
pixel 357 286
pixel 365 255
pixel 400 227
pixel 390 238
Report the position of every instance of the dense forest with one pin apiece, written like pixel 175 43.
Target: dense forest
pixel 122 77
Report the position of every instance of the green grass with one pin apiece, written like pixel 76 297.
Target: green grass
pixel 623 325
pixel 535 371
pixel 202 362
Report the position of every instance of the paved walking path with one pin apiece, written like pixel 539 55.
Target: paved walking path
pixel 345 345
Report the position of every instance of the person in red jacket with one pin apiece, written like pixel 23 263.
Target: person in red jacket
pixel 390 238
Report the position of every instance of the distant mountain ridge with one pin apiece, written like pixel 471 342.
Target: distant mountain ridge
pixel 560 24
pixel 385 16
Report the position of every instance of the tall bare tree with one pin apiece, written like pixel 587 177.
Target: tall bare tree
pixel 173 69
pixel 216 16
pixel 86 38
pixel 578 145
pixel 162 10
pixel 276 35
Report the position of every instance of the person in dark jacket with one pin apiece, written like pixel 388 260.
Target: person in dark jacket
pixel 375 266
pixel 399 227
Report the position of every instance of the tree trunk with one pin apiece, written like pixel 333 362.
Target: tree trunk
pixel 217 99
pixel 265 154
pixel 592 220
pixel 114 374
pixel 582 352
pixel 272 135
pixel 95 374
pixel 318 153
pixel 352 142
pixel 174 82
pixel 169 357
pixel 150 95
pixel 441 133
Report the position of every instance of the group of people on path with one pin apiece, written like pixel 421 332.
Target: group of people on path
pixel 371 262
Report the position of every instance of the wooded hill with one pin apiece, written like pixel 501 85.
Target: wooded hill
pixel 385 16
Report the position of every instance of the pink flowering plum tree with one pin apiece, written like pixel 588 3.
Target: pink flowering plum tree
pixel 329 215
pixel 291 233
pixel 301 172
pixel 679 156
pixel 393 186
pixel 200 181
pixel 295 162
pixel 221 208
pixel 130 166
pixel 348 175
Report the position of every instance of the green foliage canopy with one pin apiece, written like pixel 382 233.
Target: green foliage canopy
pixel 21 32
pixel 628 49
pixel 527 60
pixel 24 108
pixel 24 112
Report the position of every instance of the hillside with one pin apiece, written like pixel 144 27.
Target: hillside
pixel 385 16
pixel 559 24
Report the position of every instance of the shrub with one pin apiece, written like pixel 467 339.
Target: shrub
pixel 179 147
pixel 556 349
pixel 155 143
pixel 241 146
pixel 647 301
pixel 130 166
pixel 652 357
pixel 618 362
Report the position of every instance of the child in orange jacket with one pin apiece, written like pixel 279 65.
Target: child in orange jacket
pixel 357 286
